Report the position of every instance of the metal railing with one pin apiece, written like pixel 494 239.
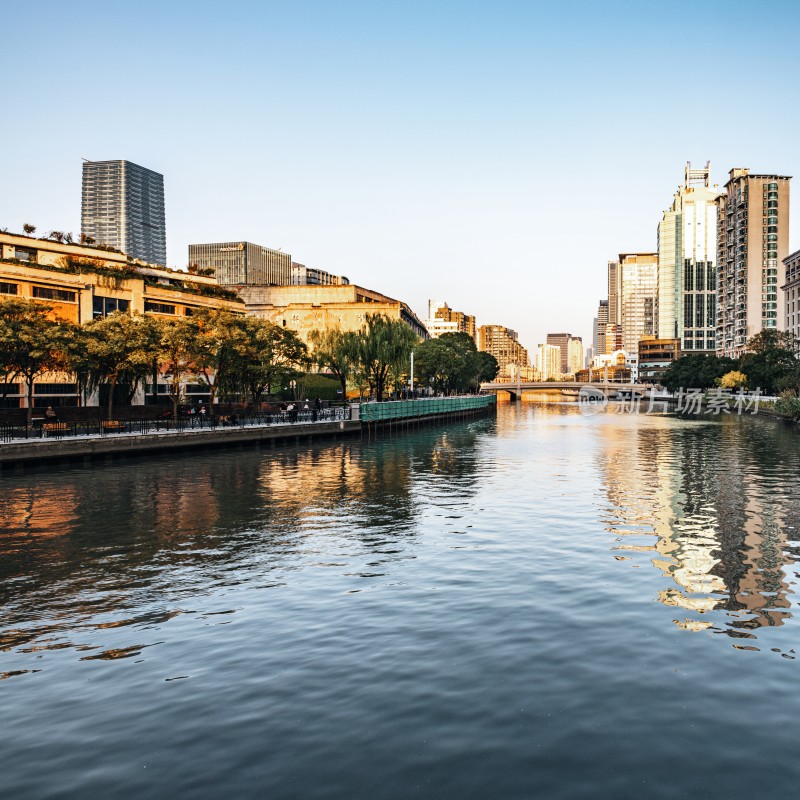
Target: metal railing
pixel 60 429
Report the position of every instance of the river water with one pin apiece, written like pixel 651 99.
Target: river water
pixel 541 605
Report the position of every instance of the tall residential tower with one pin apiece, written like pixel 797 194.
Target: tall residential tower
pixel 752 241
pixel 122 205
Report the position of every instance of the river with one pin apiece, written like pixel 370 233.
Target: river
pixel 544 604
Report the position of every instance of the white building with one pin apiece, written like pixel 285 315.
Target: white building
pixel 687 273
pixel 575 355
pixel 619 358
pixel 548 361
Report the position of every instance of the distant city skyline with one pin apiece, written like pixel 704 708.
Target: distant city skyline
pixel 497 156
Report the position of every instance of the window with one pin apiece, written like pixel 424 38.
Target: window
pixel 701 276
pixel 48 293
pixel 8 288
pixel 158 308
pixel 25 254
pixel 54 388
pixel 103 306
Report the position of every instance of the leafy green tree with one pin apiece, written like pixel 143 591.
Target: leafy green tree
pixel 487 368
pixel 770 360
pixel 436 364
pixel 174 350
pixel 31 344
pixel 220 343
pixel 696 372
pixel 271 357
pixel 337 352
pixel 117 350
pixel 383 344
pixel 28 229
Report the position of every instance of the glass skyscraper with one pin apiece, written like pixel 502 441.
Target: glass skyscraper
pixel 122 205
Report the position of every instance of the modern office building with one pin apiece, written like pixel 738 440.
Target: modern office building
pixel 637 292
pixel 791 294
pixel 309 276
pixel 243 263
pixel 503 344
pixel 443 319
pixel 655 355
pixel 752 242
pixel 548 361
pixel 687 256
pixel 599 328
pixel 122 205
pixel 561 341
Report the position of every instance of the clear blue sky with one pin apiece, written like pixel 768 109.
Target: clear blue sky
pixel 492 155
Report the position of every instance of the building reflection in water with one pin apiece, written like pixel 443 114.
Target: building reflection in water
pixel 720 498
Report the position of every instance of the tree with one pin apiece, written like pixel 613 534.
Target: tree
pixel 487 368
pixel 174 339
pixel 733 380
pixel 696 372
pixel 118 350
pixel 31 344
pixel 220 342
pixel 383 343
pixel 452 363
pixel 337 352
pixel 270 357
pixel 28 229
pixel 770 360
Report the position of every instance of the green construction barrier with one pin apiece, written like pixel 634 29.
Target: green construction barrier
pixel 407 409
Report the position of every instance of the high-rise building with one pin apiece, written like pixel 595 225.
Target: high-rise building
pixel 243 263
pixel 443 319
pixel 561 341
pixel 122 205
pixel 599 329
pixel 614 287
pixel 791 294
pixel 752 241
pixel 503 344
pixel 575 355
pixel 637 281
pixel 548 361
pixel 687 259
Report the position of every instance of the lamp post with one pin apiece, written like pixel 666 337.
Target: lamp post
pixel 412 374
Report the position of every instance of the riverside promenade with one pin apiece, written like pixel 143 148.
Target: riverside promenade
pixel 81 444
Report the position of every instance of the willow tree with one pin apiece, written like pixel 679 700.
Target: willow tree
pixel 31 344
pixel 383 344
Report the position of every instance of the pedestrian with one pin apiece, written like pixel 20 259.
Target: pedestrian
pixel 50 414
pixel 202 410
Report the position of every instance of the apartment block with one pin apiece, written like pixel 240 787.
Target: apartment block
pixel 752 243
pixel 243 263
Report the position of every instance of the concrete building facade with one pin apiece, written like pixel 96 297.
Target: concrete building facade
pixel 752 243
pixel 309 308
pixel 122 205
pixel 637 283
pixel 548 361
pixel 655 356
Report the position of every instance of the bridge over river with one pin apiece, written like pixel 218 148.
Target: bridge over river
pixel 516 389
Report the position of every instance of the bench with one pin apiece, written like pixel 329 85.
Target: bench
pixel 113 425
pixel 56 428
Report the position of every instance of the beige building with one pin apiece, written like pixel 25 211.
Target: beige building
pixel 575 355
pixel 309 308
pixel 637 283
pixel 791 294
pixel 752 243
pixel 443 319
pixel 548 361
pixel 81 283
pixel 503 344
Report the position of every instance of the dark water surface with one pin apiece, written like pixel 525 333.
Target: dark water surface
pixel 543 605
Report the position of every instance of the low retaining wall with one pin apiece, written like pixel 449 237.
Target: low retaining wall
pixel 86 449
